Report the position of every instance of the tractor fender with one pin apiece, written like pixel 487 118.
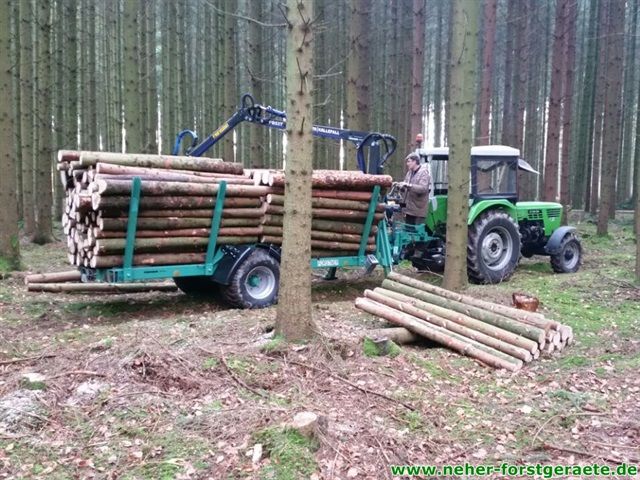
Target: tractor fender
pixel 477 208
pixel 234 256
pixel 553 244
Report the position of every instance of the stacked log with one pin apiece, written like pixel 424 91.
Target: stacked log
pixel 69 282
pixel 497 335
pixel 178 195
pixel 340 206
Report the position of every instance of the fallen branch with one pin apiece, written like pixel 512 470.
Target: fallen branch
pixel 549 446
pixel 25 359
pixel 87 373
pixel 238 380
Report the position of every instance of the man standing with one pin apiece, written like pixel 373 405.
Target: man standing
pixel 416 190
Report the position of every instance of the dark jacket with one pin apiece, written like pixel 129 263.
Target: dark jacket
pixel 417 192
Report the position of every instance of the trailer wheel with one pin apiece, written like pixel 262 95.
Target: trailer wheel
pixel 569 258
pixel 255 283
pixel 493 250
pixel 200 285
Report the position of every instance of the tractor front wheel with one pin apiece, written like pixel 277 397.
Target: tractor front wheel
pixel 493 250
pixel 255 283
pixel 569 257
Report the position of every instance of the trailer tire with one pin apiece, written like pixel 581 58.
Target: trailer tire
pixel 493 249
pixel 255 283
pixel 199 285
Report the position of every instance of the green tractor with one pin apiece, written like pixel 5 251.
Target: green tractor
pixel 501 228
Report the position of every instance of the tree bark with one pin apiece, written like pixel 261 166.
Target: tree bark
pixel 462 101
pixel 293 318
pixel 131 71
pixel 9 235
pixel 201 205
pixel 612 113
pixel 158 188
pixel 417 84
pixel 53 277
pixel 489 37
pixel 336 179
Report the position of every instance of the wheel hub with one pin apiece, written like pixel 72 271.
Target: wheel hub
pixel 260 282
pixel 497 248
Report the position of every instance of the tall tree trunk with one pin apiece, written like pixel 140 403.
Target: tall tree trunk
pixel 230 85
pixel 603 15
pixel 507 110
pixel 26 107
pixel 149 81
pixel 9 240
pixel 612 113
pixel 293 319
pixel 417 87
pixel 489 41
pixel 44 81
pixel 567 110
pixel 131 73
pixel 358 95
pixel 437 86
pixel 581 186
pixel 462 101
pixel 551 164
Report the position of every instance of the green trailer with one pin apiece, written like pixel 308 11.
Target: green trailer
pixel 246 276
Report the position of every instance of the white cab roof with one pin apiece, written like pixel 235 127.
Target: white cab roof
pixel 481 151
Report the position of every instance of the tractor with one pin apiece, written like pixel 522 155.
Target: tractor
pixel 501 228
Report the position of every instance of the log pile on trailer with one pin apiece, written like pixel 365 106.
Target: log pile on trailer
pixel 497 335
pixel 178 195
pixel 340 208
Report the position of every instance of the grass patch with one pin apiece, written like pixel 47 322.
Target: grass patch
pixel 292 454
pixel 432 368
pixel 276 344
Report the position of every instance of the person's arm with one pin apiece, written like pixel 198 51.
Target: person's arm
pixel 422 184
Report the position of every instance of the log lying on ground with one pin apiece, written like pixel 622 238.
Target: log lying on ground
pixel 522 315
pixel 437 334
pixel 459 328
pixel 398 335
pixel 528 331
pixel 101 287
pixel 161 161
pixel 465 320
pixel 53 277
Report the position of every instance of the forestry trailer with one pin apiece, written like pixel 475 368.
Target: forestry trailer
pixel 500 227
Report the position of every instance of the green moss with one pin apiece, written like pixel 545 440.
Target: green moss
pixel 292 454
pixel 371 348
pixel 276 344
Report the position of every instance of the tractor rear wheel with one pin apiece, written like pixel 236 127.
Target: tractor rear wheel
pixel 569 257
pixel 255 283
pixel 493 250
pixel 200 285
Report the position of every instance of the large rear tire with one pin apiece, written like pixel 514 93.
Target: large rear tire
pixel 493 250
pixel 569 258
pixel 255 283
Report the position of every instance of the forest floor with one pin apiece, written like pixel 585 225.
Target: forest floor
pixel 161 386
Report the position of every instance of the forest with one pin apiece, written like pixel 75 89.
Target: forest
pixel 247 361
pixel 559 80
